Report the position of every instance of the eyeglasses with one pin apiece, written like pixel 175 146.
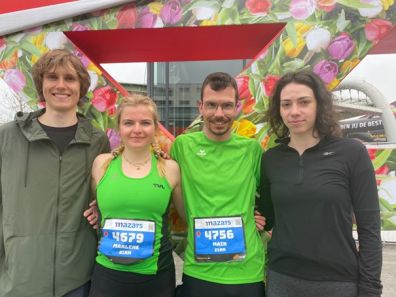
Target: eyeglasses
pixel 211 107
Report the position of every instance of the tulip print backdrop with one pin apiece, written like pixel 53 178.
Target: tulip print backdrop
pixel 329 36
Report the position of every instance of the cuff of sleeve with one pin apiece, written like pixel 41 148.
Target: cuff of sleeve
pixel 365 291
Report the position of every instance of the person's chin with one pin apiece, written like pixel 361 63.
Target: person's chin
pixel 220 131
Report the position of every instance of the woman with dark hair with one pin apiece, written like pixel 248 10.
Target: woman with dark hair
pixel 311 184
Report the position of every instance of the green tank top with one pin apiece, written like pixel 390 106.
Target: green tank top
pixel 146 198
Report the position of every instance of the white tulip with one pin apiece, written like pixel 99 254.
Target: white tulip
pixel 94 80
pixel 373 11
pixel 204 13
pixel 55 40
pixel 317 39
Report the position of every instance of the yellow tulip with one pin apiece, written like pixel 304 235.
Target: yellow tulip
pixel 92 67
pixel 244 127
pixel 348 65
pixel 292 50
pixel 155 7
pixel 208 23
pixel 387 3
pixel 38 41
pixel 333 84
pixel 302 28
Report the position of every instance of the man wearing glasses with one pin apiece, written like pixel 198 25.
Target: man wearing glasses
pixel 220 174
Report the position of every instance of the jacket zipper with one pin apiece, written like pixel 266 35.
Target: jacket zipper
pixel 300 177
pixel 56 227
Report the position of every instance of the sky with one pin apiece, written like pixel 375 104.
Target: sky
pixel 378 70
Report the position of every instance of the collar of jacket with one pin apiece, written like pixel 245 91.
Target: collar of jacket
pixel 284 142
pixel 32 130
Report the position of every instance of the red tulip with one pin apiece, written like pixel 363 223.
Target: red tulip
pixel 258 7
pixel 104 99
pixel 127 17
pixel 243 87
pixel 269 83
pixel 377 29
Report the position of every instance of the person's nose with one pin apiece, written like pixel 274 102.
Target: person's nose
pixel 137 128
pixel 219 111
pixel 294 110
pixel 61 83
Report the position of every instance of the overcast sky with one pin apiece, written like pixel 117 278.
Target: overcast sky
pixel 380 71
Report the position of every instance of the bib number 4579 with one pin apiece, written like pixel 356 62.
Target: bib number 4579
pixel 128 237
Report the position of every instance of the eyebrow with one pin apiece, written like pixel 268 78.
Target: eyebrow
pixel 299 98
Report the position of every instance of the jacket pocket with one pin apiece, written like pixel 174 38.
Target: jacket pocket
pixel 28 264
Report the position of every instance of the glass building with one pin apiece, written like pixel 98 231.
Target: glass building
pixel 176 87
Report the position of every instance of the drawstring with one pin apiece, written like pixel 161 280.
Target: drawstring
pixel 27 164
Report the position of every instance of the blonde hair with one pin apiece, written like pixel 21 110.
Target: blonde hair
pixel 134 100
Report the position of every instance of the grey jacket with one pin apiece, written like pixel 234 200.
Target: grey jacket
pixel 47 248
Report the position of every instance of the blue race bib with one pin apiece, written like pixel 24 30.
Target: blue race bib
pixel 127 241
pixel 219 239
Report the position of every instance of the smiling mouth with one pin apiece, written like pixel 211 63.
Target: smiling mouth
pixel 60 95
pixel 219 122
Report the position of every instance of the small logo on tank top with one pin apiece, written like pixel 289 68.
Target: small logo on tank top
pixel 201 153
pixel 159 186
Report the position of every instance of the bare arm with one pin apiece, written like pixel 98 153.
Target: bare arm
pixel 98 170
pixel 173 176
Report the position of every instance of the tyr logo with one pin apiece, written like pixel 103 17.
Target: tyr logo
pixel 159 186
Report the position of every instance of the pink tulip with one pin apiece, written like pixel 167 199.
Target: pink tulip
pixel 114 138
pixel 326 5
pixel 302 9
pixel 80 27
pixel 327 70
pixel 2 44
pixel 341 47
pixel 83 58
pixel 15 79
pixel 171 12
pixel 147 19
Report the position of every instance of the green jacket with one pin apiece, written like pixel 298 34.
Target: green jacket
pixel 47 248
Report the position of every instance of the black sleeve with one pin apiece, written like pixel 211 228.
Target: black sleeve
pixel 264 202
pixel 366 207
pixel 105 148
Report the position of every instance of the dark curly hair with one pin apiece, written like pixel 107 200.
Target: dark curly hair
pixel 59 57
pixel 326 123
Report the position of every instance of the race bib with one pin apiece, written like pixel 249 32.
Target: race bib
pixel 219 239
pixel 127 241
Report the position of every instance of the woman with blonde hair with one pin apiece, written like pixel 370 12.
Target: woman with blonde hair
pixel 134 187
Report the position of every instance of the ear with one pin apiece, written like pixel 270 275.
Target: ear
pixel 200 106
